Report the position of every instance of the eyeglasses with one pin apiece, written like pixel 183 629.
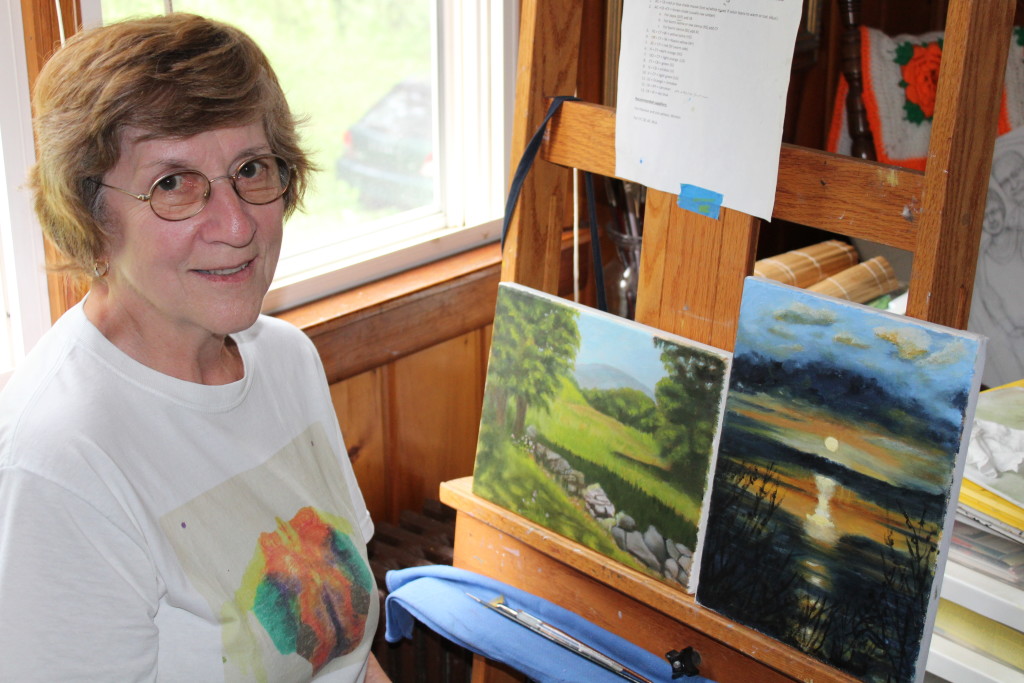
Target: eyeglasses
pixel 183 194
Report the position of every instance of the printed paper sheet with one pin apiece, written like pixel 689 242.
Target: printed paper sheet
pixel 701 98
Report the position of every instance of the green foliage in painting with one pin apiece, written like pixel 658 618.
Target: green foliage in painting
pixel 533 346
pixel 688 401
pixel 624 460
pixel 631 407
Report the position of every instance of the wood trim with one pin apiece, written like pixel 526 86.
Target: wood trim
pixel 42 30
pixel 871 201
pixel 959 161
pixel 42 38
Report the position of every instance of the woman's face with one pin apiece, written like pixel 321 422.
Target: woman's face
pixel 203 275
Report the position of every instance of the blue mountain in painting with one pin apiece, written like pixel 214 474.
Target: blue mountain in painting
pixel 602 376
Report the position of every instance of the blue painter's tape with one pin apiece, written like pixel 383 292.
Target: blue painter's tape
pixel 697 199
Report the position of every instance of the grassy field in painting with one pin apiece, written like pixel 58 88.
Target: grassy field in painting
pixel 506 474
pixel 573 426
pixel 623 460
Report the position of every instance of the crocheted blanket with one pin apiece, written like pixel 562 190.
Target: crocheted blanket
pixel 900 74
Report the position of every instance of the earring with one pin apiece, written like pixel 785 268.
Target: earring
pixel 100 268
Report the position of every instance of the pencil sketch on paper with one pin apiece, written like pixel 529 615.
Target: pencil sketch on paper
pixel 997 310
pixel 841 453
pixel 601 429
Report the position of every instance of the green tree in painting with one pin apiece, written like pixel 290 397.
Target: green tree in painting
pixel 631 407
pixel 688 398
pixel 533 347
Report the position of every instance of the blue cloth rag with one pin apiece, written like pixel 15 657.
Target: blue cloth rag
pixel 437 597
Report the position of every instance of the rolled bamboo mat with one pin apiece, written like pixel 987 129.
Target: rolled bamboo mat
pixel 808 265
pixel 863 282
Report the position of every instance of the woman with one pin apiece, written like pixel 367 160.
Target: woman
pixel 175 498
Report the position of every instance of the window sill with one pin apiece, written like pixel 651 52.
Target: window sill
pixel 377 323
pixel 380 322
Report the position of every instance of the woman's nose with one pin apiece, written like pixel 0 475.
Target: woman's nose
pixel 228 214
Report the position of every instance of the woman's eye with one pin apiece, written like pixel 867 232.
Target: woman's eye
pixel 171 183
pixel 252 169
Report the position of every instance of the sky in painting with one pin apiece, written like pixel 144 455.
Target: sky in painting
pixel 914 359
pixel 628 347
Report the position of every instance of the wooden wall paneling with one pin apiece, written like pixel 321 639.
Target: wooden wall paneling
pixel 900 16
pixel 435 397
pixel 485 671
pixel 362 414
pixel 486 333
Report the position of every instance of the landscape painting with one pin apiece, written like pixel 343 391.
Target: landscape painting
pixel 842 451
pixel 601 429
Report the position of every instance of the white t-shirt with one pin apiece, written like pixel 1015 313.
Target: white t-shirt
pixel 157 529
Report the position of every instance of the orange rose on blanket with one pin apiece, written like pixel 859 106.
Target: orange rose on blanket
pixel 919 66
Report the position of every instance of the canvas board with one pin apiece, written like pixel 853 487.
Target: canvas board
pixel 841 456
pixel 601 429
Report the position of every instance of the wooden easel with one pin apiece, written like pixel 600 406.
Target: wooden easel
pixel 691 278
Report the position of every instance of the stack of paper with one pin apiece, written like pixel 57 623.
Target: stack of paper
pixel 990 537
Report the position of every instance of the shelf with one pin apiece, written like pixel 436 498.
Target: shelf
pixel 957 663
pixel 986 595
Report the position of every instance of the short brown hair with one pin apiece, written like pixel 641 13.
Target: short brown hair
pixel 172 76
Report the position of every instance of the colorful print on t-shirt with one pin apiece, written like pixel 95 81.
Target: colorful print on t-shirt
pixel 275 554
pixel 309 588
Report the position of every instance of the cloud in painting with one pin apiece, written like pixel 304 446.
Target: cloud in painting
pixel 911 342
pixel 954 352
pixel 781 332
pixel 848 339
pixel 802 314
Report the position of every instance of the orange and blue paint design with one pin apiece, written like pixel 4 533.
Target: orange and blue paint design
pixel 309 587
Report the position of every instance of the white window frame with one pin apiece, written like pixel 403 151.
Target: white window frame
pixel 475 88
pixel 22 256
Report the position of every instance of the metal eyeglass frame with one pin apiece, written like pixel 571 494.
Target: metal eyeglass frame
pixel 282 163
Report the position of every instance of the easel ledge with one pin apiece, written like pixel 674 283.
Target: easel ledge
pixel 492 541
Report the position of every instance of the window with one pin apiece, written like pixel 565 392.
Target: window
pixel 22 264
pixel 407 103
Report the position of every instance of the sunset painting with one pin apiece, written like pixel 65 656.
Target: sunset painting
pixel 601 429
pixel 840 459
